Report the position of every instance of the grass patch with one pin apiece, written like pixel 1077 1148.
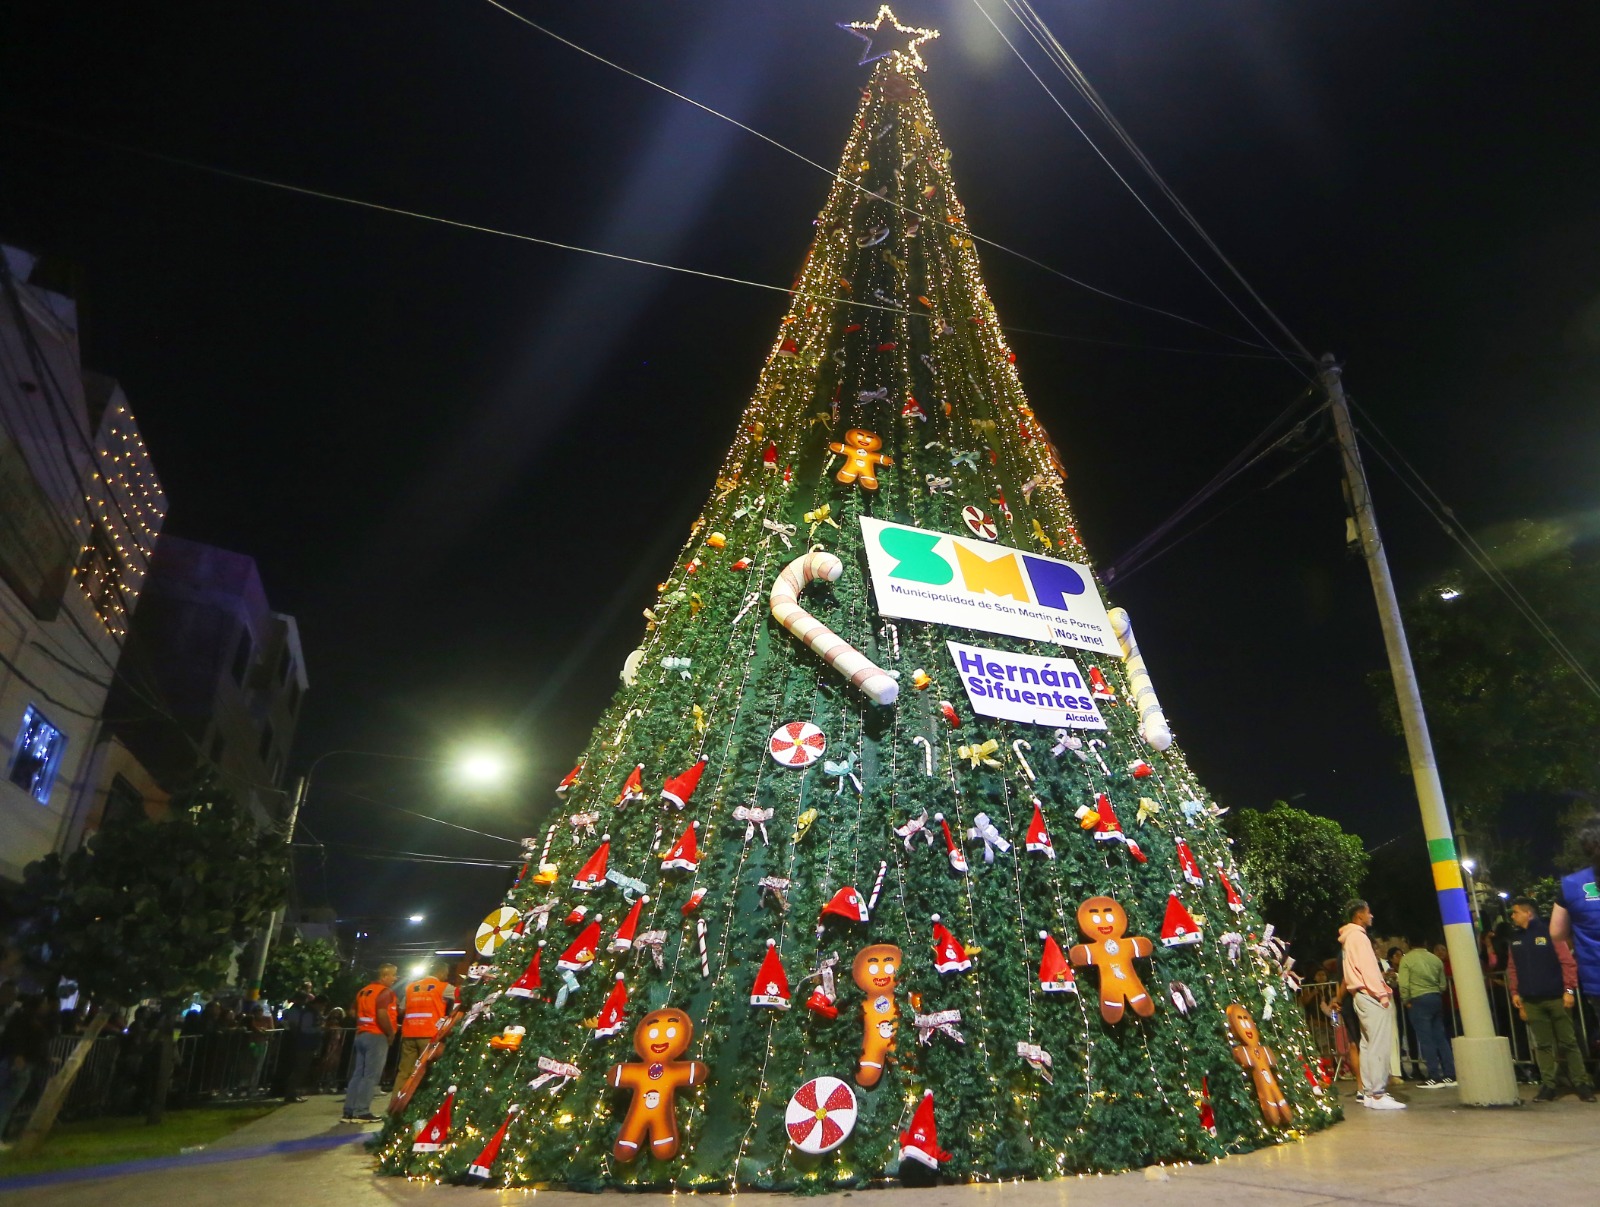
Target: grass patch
pixel 129 1138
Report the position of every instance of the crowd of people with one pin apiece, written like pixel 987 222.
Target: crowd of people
pixel 1543 964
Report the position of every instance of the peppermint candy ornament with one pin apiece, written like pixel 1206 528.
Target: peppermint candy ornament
pixel 797 744
pixel 979 523
pixel 495 930
pixel 821 1115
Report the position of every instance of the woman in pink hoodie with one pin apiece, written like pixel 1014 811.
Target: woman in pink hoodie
pixel 1374 1004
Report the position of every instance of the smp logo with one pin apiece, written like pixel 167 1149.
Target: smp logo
pixel 935 576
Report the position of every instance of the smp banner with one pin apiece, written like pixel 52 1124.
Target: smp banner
pixel 923 575
pixel 1021 687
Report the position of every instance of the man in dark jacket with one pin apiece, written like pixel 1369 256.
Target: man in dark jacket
pixel 1543 979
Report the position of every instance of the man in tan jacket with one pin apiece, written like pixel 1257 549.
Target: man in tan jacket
pixel 1374 1003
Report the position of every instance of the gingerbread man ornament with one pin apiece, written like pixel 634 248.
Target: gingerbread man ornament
pixel 874 972
pixel 1257 1060
pixel 652 1119
pixel 861 458
pixel 1112 952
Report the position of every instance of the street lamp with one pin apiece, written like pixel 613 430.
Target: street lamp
pixel 415 918
pixel 480 768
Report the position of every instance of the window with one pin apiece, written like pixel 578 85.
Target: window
pixel 263 750
pixel 124 802
pixel 241 655
pixel 36 755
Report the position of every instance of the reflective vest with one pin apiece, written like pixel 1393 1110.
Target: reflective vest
pixel 367 1009
pixel 425 1008
pixel 1581 897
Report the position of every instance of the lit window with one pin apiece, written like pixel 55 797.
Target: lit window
pixel 36 755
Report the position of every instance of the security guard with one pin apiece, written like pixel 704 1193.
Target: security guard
pixel 427 1000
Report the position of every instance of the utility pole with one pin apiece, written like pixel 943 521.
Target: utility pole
pixel 1483 1059
pixel 273 923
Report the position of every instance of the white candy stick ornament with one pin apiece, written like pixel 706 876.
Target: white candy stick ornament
pixel 1017 748
pixel 705 960
pixel 872 902
pixel 927 753
pixel 850 662
pixel 1096 745
pixel 1153 727
pixel 549 837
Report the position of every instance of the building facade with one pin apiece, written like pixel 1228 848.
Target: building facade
pixel 228 670
pixel 81 508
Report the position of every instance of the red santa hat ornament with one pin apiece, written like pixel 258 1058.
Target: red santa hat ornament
pixel 483 1166
pixel 1188 865
pixel 436 1132
pixel 527 985
pixel 679 788
pixel 958 861
pixel 920 1142
pixel 632 787
pixel 684 854
pixel 949 954
pixel 848 904
pixel 592 875
pixel 629 930
pixel 1038 837
pixel 1235 902
pixel 1055 971
pixel 772 983
pixel 580 954
pixel 569 779
pixel 1140 769
pixel 1178 928
pixel 1098 686
pixel 612 1015
pixel 1107 828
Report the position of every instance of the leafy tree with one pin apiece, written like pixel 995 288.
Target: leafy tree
pixel 290 965
pixel 151 909
pixel 1509 717
pixel 1303 868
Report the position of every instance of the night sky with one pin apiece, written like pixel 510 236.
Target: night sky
pixel 463 461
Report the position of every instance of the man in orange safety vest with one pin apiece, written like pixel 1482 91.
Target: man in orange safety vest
pixel 427 1000
pixel 376 1017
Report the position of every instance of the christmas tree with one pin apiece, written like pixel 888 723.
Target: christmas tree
pixel 882 858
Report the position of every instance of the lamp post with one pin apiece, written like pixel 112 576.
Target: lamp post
pixel 479 768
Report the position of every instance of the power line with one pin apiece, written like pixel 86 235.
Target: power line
pixel 855 184
pixel 1134 193
pixel 426 817
pixel 229 174
pixel 1485 564
pixel 1033 22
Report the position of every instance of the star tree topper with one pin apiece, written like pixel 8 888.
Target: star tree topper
pixel 885 36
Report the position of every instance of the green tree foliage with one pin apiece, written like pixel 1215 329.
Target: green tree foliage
pixel 1509 717
pixel 929 373
pixel 155 908
pixel 1304 868
pixel 291 964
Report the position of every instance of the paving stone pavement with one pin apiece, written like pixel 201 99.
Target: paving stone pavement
pixel 1436 1152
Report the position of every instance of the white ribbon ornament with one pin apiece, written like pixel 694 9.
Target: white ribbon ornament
pixel 913 827
pixel 1038 1059
pixel 753 817
pixel 556 1071
pixel 985 829
pixel 944 1021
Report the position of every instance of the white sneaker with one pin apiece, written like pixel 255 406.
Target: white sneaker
pixel 1429 1084
pixel 1382 1102
pixel 1446 1081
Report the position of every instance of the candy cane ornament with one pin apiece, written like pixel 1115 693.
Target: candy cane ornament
pixel 549 837
pixel 873 681
pixel 1096 745
pixel 705 960
pixel 927 753
pixel 1153 727
pixel 872 902
pixel 1017 748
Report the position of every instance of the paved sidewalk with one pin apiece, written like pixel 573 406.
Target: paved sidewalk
pixel 1436 1152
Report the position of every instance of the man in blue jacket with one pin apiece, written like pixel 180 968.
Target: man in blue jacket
pixel 1543 980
